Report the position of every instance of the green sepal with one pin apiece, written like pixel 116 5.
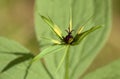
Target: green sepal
pixel 53 26
pixel 79 37
pixel 56 42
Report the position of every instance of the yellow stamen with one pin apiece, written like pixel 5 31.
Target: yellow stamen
pixel 58 31
pixel 55 41
pixel 80 30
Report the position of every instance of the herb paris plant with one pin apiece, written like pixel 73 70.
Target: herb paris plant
pixel 80 54
pixel 65 41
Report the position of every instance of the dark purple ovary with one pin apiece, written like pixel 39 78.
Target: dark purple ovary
pixel 68 39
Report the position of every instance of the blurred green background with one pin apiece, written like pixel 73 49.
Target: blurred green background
pixel 16 22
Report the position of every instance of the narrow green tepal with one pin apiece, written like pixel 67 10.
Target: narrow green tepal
pixel 53 26
pixel 80 36
pixel 81 55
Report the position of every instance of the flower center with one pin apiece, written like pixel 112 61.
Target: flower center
pixel 68 39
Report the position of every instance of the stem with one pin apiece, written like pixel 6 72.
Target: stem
pixel 67 63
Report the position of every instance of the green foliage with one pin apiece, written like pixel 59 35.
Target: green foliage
pixel 83 54
pixel 68 40
pixel 110 71
pixel 15 59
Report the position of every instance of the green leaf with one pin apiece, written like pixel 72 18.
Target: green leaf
pixel 22 70
pixel 8 48
pixel 82 55
pixel 110 71
pixel 15 59
pixel 11 47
